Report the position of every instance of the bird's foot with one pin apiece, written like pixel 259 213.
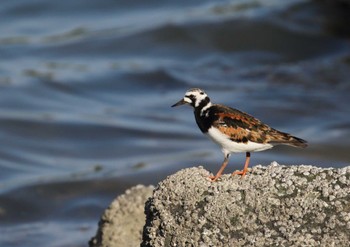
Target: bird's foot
pixel 242 173
pixel 213 178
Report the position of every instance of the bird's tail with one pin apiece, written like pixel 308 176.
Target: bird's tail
pixel 296 142
pixel 287 139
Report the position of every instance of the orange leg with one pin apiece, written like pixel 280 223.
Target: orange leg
pixel 245 169
pixel 222 168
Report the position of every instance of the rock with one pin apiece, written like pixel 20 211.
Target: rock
pixel 272 206
pixel 123 221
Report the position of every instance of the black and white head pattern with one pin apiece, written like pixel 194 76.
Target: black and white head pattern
pixel 197 98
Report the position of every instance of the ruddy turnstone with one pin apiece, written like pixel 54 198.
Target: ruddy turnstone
pixel 233 130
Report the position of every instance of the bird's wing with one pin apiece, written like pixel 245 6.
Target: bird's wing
pixel 242 127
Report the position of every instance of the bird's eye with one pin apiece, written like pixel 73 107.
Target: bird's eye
pixel 201 93
pixel 190 97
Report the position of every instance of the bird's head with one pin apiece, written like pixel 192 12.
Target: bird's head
pixel 194 97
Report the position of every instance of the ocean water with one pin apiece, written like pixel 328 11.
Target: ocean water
pixel 86 89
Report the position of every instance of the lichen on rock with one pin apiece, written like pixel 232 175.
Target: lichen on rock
pixel 275 205
pixel 272 206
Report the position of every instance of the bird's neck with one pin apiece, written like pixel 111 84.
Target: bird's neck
pixel 201 113
pixel 203 103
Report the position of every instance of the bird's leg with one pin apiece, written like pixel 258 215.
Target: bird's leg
pixel 245 169
pixel 218 174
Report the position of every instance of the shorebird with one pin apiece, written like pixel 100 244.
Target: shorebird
pixel 233 130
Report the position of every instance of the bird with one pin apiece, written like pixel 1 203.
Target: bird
pixel 233 130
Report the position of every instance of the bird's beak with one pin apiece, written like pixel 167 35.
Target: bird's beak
pixel 181 102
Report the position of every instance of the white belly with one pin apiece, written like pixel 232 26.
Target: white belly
pixel 229 146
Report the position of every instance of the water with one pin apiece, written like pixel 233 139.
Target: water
pixel 86 90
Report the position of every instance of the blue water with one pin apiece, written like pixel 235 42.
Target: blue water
pixel 86 89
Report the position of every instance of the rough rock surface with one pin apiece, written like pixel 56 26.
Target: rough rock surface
pixel 122 222
pixel 272 206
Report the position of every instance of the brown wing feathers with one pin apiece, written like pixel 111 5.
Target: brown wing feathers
pixel 241 127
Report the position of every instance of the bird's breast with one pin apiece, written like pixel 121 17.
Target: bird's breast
pixel 204 120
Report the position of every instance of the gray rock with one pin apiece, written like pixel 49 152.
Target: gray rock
pixel 272 206
pixel 122 223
